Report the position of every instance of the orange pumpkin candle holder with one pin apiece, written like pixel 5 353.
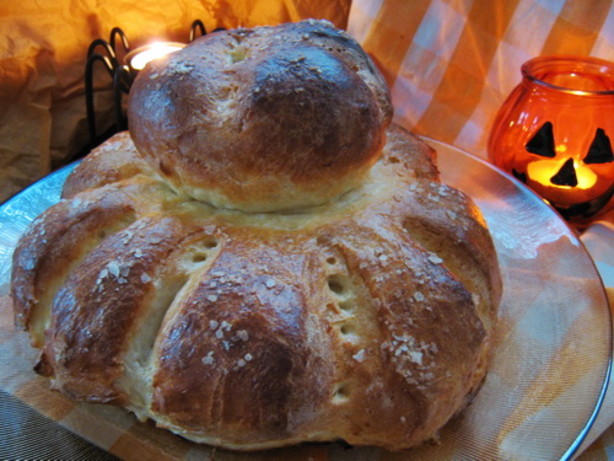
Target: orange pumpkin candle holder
pixel 555 130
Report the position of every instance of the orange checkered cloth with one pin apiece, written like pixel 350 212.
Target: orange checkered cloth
pixel 451 64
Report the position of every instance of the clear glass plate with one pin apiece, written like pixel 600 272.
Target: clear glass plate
pixel 554 341
pixel 553 358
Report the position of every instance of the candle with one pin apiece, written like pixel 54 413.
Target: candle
pixel 555 132
pixel 139 58
pixel 563 182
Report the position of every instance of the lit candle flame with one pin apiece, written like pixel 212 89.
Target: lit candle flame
pixel 543 171
pixel 540 178
pixel 148 53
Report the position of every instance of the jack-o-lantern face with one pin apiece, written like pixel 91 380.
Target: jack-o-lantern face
pixel 569 180
pixel 554 133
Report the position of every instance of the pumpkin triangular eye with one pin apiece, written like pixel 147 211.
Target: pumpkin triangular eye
pixel 600 150
pixel 542 142
pixel 566 176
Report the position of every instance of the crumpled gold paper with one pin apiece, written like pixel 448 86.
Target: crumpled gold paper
pixel 43 51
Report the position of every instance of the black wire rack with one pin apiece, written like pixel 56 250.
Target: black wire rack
pixel 112 56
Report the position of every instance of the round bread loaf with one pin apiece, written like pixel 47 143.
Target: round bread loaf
pixel 367 317
pixel 262 119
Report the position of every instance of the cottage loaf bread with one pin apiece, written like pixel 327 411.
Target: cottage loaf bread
pixel 345 294
pixel 300 106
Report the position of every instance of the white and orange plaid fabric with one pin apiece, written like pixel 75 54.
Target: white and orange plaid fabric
pixel 451 63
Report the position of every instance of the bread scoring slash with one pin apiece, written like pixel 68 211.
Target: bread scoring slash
pixel 264 259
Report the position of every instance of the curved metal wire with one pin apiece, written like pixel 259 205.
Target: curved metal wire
pixel 110 55
pixel 121 84
pixel 99 42
pixel 197 25
pixel 117 32
pixel 89 89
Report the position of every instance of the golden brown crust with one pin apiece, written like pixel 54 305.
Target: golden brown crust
pixel 58 237
pixel 366 319
pixel 104 301
pixel 262 119
pixel 107 163
pixel 243 326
